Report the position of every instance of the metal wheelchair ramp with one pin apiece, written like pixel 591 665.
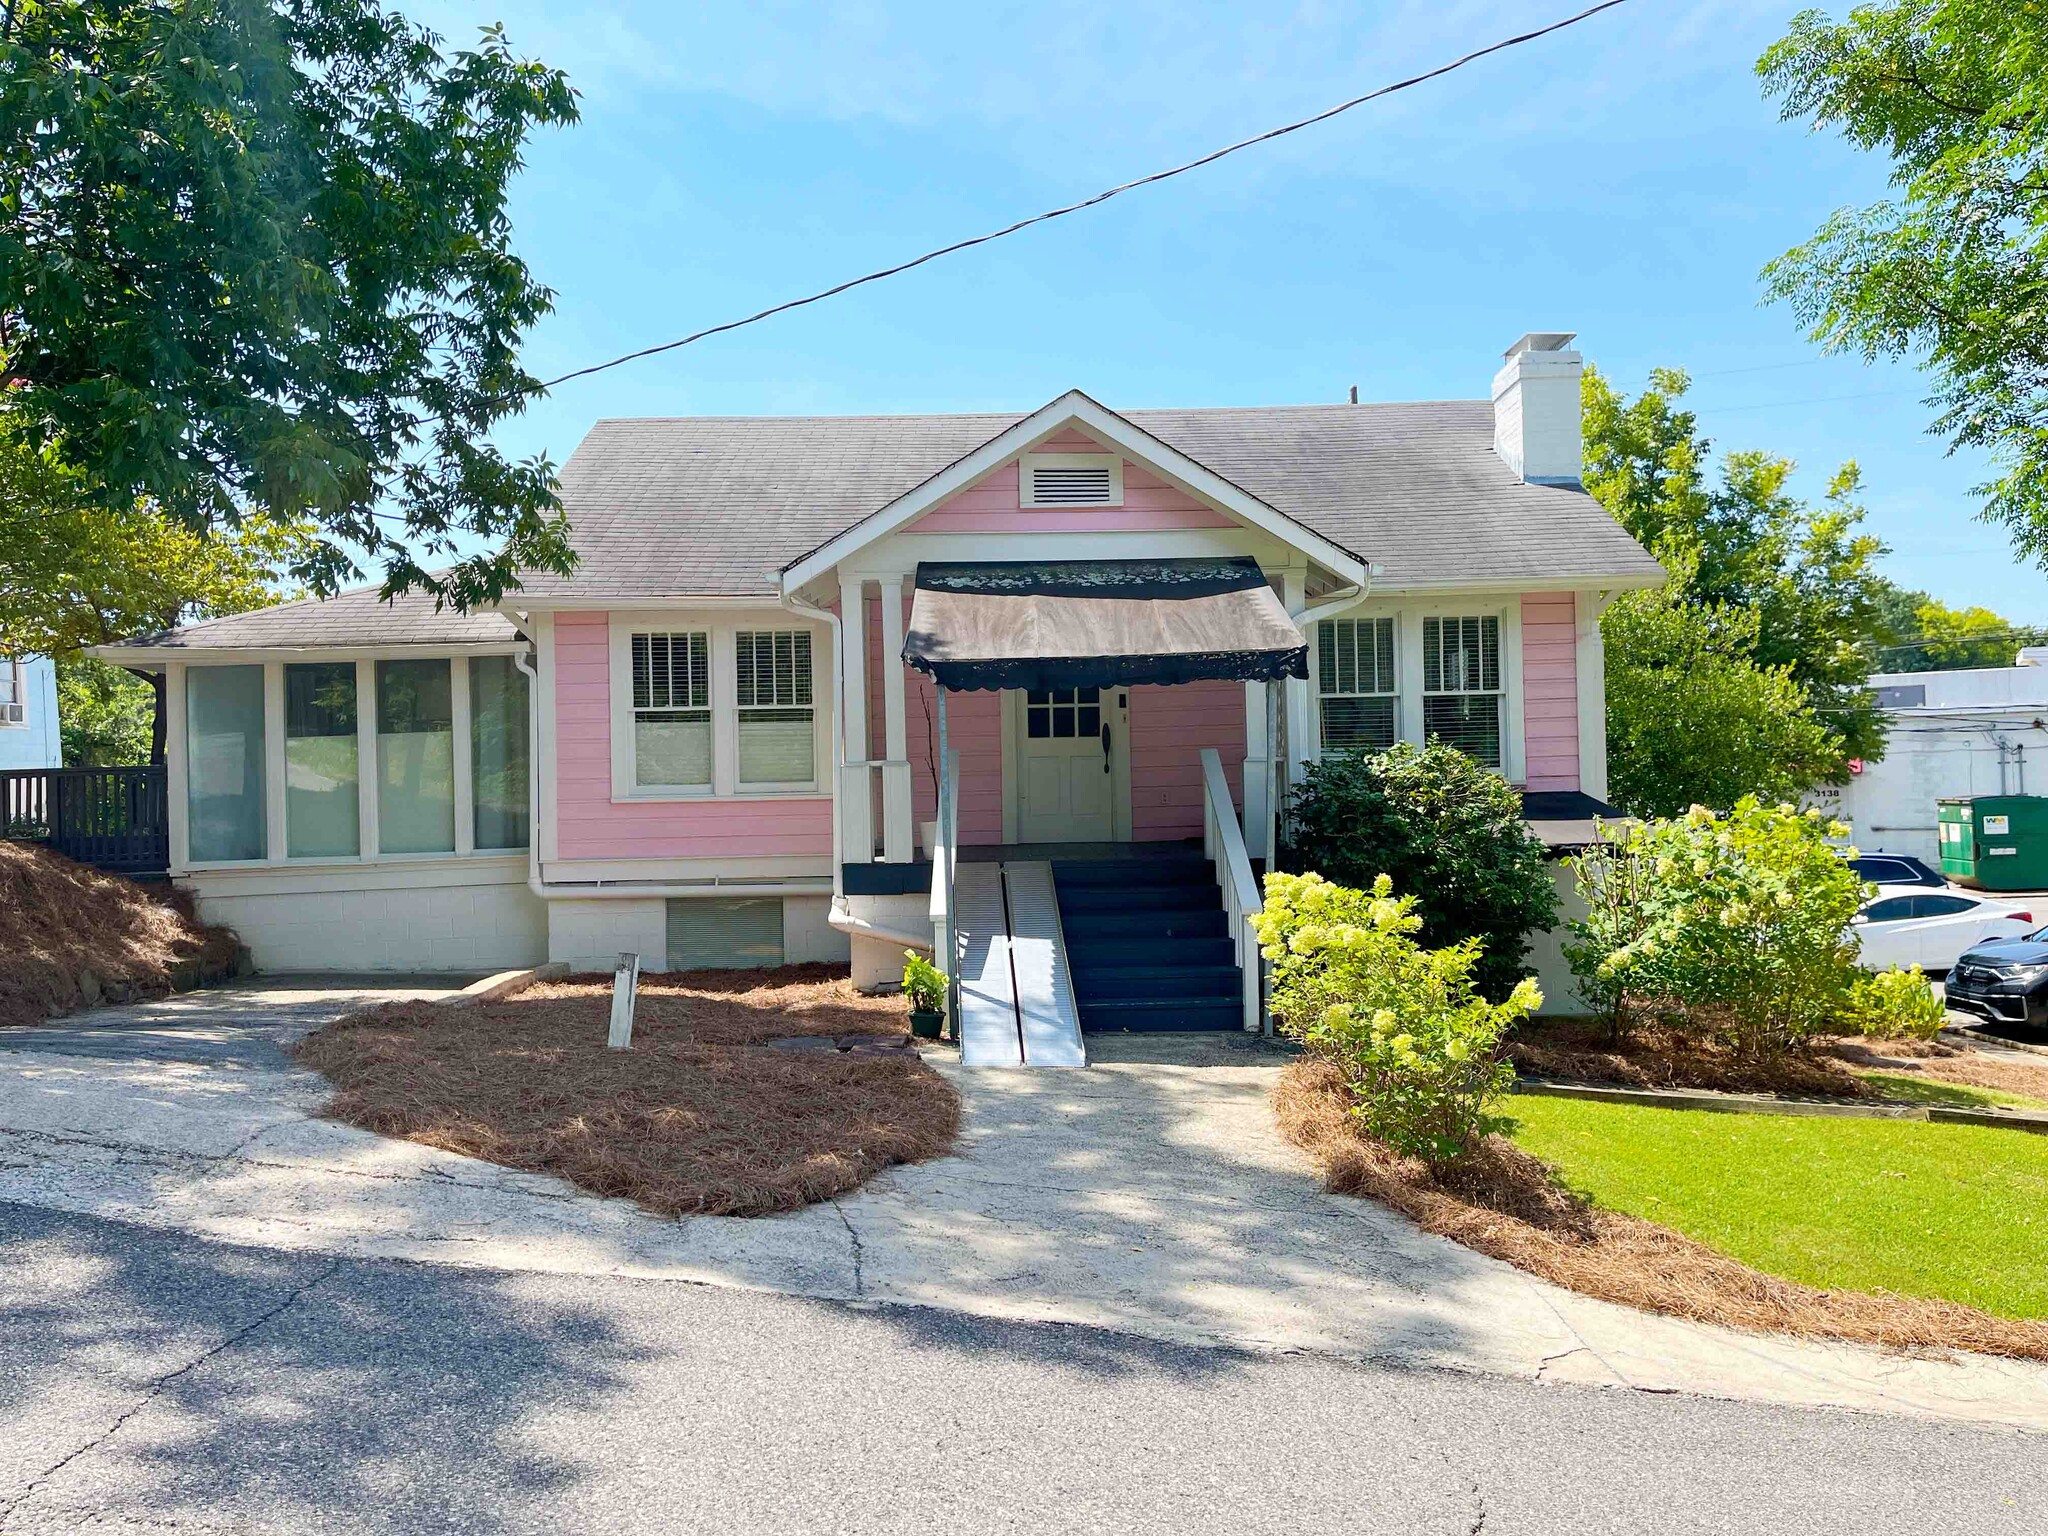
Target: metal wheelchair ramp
pixel 1016 992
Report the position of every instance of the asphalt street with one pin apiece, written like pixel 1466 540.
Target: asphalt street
pixel 155 1382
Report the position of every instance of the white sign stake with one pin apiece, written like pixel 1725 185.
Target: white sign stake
pixel 625 988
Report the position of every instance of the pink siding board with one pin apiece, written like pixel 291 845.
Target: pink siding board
pixel 1550 690
pixel 589 825
pixel 990 506
pixel 1169 728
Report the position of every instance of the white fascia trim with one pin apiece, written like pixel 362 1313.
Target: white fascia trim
pixel 1508 586
pixel 1105 426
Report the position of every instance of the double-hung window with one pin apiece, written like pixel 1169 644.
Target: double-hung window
pixel 672 711
pixel 773 702
pixel 1357 687
pixel 1461 685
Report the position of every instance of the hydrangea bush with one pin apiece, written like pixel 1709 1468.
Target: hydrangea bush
pixel 1893 1005
pixel 1417 1044
pixel 1737 924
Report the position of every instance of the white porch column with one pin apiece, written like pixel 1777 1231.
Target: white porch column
pixel 1257 771
pixel 856 792
pixel 1301 736
pixel 898 834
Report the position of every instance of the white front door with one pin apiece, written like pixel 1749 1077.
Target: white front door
pixel 1066 765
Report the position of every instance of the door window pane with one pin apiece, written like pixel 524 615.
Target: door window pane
pixel 321 808
pixel 499 751
pixel 415 757
pixel 224 763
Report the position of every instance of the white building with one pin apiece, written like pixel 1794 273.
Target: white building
pixel 1983 731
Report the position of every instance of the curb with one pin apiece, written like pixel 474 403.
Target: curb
pixel 1964 1034
pixel 1761 1104
pixel 506 984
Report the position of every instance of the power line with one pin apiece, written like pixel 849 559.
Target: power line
pixel 1090 202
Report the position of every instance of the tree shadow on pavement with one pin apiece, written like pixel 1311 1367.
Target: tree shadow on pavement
pixel 174 1379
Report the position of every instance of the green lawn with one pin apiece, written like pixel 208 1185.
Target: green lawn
pixel 1953 1211
pixel 1914 1089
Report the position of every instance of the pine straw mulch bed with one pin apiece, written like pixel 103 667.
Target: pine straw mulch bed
pixel 1651 1055
pixel 1506 1204
pixel 70 936
pixel 699 1117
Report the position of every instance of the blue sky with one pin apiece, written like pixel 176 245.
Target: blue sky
pixel 1624 179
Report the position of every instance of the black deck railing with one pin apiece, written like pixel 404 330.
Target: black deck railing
pixel 115 819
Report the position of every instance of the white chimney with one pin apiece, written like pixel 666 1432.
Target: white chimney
pixel 1536 409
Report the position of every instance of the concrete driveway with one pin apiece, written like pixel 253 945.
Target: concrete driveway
pixel 1149 1194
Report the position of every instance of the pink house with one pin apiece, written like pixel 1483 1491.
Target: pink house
pixel 717 742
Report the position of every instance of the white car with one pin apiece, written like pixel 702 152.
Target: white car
pixel 1911 925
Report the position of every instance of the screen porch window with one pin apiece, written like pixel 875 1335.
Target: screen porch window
pixel 322 816
pixel 224 763
pixel 415 757
pixel 499 752
pixel 776 745
pixel 1461 687
pixel 672 711
pixel 1357 685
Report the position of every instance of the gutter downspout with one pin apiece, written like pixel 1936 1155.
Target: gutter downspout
pixel 523 660
pixel 837 916
pixel 1278 774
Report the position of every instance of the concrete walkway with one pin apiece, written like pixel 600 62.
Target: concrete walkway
pixel 1149 1194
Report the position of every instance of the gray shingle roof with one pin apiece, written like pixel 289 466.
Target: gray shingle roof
pixel 357 618
pixel 708 505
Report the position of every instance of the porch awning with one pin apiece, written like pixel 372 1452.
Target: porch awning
pixel 1099 623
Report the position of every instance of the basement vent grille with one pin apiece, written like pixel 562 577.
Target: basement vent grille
pixel 1073 480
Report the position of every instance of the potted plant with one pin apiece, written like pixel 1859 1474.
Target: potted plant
pixel 925 985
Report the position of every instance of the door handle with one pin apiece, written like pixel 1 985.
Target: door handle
pixel 1105 747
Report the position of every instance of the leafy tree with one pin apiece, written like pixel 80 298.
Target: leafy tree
pixel 255 261
pixel 1952 268
pixel 75 572
pixel 1737 539
pixel 107 715
pixel 1926 635
pixel 1693 718
pixel 1444 828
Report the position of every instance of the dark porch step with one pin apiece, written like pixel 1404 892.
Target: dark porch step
pixel 1087 929
pixel 1116 873
pixel 1188 982
pixel 1086 953
pixel 1141 898
pixel 1158 1015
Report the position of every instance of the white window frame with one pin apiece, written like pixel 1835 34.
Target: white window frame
pixel 1028 462
pixel 744 786
pixel 1408 614
pixel 17 675
pixel 723 627
pixel 632 711
pixel 275 830
pixel 1498 693
pixel 1325 634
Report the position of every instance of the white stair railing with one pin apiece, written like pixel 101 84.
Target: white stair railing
pixel 1223 842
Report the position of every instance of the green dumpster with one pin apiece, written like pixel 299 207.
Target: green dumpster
pixel 1994 842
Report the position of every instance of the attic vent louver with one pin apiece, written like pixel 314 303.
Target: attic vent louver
pixel 1072 480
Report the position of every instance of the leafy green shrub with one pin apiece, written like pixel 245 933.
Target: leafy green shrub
pixel 1892 1005
pixel 923 983
pixel 1446 829
pixel 1418 1047
pixel 1736 924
